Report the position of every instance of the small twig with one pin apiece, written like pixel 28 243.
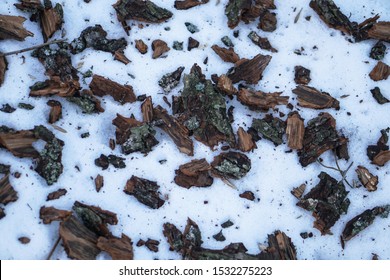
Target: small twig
pixel 329 167
pixel 53 249
pixel 32 48
pixel 343 173
pixel 297 16
pixel 227 182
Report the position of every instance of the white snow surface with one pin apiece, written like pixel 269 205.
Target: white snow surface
pixel 337 66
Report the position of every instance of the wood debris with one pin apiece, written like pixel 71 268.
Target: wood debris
pixel 268 21
pixel 3 68
pixel 50 214
pixel 56 194
pixel 147 110
pixel 99 182
pixel 245 141
pixel 380 72
pixel 7 193
pixel 104 161
pixel 4 169
pixel 310 97
pixel 295 131
pixel 171 80
pixel 144 191
pixel 302 75
pixel 376 93
pixel 188 4
pixel 328 201
pixel 368 180
pixel 225 86
pixel 378 51
pixel 87 102
pixel 299 191
pixel 192 44
pixel 379 154
pixel 263 43
pixel 249 70
pixel 233 165
pixel 227 55
pixel 101 86
pixel 55 111
pixel 362 221
pixel 151 244
pixel 159 48
pixel 51 19
pixel 261 101
pixel 248 195
pixel 141 46
pixel 11 27
pixel 271 128
pixel 24 240
pixel 117 248
pixel 320 136
pixel 196 173
pixel 380 31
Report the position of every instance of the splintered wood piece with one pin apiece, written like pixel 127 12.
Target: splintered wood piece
pixel 117 248
pixel 7 192
pixel 302 75
pixel 280 247
pixel 225 86
pixel 144 191
pixel 56 194
pixel 250 71
pixel 258 100
pixel 50 214
pixel 245 141
pixel 141 46
pixel 263 43
pixel 192 44
pixel 159 47
pixel 233 165
pixel 227 55
pixel 147 110
pixel 188 4
pixel 381 71
pixel 380 31
pixel 3 68
pixel 268 21
pixel 194 174
pixel 120 56
pixel 295 131
pixel 11 27
pixel 381 158
pixel 177 131
pixel 101 86
pixel 20 143
pixel 99 182
pixel 368 180
pixel 248 195
pixel 246 10
pixel 51 21
pixel 55 111
pixel 310 97
pixel 53 87
pixel 299 191
pixel 152 245
pixel 79 242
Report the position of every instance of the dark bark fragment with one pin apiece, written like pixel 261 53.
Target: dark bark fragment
pixel 295 131
pixel 188 4
pixel 362 221
pixel 196 173
pixel 234 10
pixel 192 44
pixel 227 42
pixel 327 201
pixel 55 111
pixel 227 55
pixel 382 158
pixel 7 192
pixel 152 245
pixel 11 27
pixel 376 93
pixel 302 75
pixel 310 97
pixel 24 240
pixel 263 43
pixel 34 7
pixel 380 31
pixel 225 86
pixel 261 101
pixel 101 86
pixel 147 110
pixel 6 108
pixel 219 236
pixel 268 21
pixel 51 20
pixel 380 72
pixel 192 28
pixel 54 87
pixel 50 214
pixel 19 143
pixel 99 182
pixel 320 136
pixel 368 180
pixel 3 69
pixel 378 51
pixel 25 106
pixel 379 154
pixel 141 46
pixel 87 102
pixel 79 242
pixel 231 165
pixel 4 169
pixel 171 80
pixel 245 141
pixel 299 191
pixel 159 47
pixel 2 213
pixel 342 151
pixel 249 70
pixel 144 191
pixel 272 128
pixel 248 195
pixel 117 248
pixel 56 194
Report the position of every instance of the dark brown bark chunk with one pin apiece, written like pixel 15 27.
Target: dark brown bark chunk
pixel 248 195
pixel 192 44
pixel 245 141
pixel 51 20
pixel 117 248
pixel 7 192
pixel 233 165
pixel 196 173
pixel 295 131
pixel 376 93
pixel 101 86
pixel 380 72
pixel 382 158
pixel 379 154
pixel 3 69
pixel 53 87
pixel 302 75
pixel 141 46
pixel 368 180
pixel 249 70
pixel 11 27
pixel 263 43
pixel 299 191
pixel 19 143
pixel 188 4
pixel 56 194
pixel 227 55
pixel 258 100
pixel 99 182
pixel 225 86
pixel 144 191
pixel 147 110
pixel 171 80
pixel 310 97
pixel 24 240
pixel 268 21
pixel 50 214
pixel 159 47
pixel 55 111
pixel 380 31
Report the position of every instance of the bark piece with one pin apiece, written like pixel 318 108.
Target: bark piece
pixel 245 141
pixel 196 173
pixel 32 6
pixel 7 192
pixel 248 195
pixel 3 69
pixel 11 27
pixel 56 194
pixel 79 242
pixel 227 224
pixel 328 201
pixel 51 20
pixel 7 109
pixel 362 221
pixel 117 248
pixel 55 111
pixel 299 191
pixel 263 43
pixel 141 46
pixel 171 80
pixel 101 86
pixel 227 55
pixel 368 180
pixel 268 21
pixel 225 86
pixel 261 101
pixel 178 132
pixel 24 240
pixel 379 154
pixel 99 182
pixel 50 214
pixel 382 158
pixel 25 106
pixel 4 169
pixel 295 131
pixel 378 51
pixel 272 128
pixel 380 72
pixel 302 75
pixel 188 4
pixel 380 31
pixel 231 165
pixel 151 244
pixel 87 102
pixel 2 213
pixel 249 70
pixel 376 93
pixel 219 236
pixel 159 47
pixel 192 44
pixel 310 97
pixel 144 191
pixel 147 110
pixel 192 28
pixel 53 87
pixel 320 136
pixel 19 143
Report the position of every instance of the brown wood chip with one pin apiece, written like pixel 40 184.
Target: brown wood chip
pixel 248 195
pixel 7 192
pixel 50 214
pixel 258 100
pixel 145 191
pixel 55 87
pixel 11 27
pixel 299 191
pixel 24 240
pixel 227 55
pixel 380 31
pixel 147 110
pixel 310 97
pixel 194 174
pixel 159 47
pixel 188 4
pixel 51 21
pixel 56 194
pixel 249 70
pixel 141 46
pixel 99 182
pixel 55 111
pixel 381 71
pixel 382 158
pixel 3 68
pixel 295 131
pixel 20 143
pixel 192 44
pixel 245 141
pixel 117 248
pixel 368 180
pixel 225 86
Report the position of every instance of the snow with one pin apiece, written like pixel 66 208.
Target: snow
pixel 337 66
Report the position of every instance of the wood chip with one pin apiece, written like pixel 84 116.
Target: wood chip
pixel 141 46
pixel 192 44
pixel 295 131
pixel 245 141
pixel 117 248
pixel 380 31
pixel 302 75
pixel 11 27
pixel 51 21
pixel 7 192
pixel 196 173
pixel 20 143
pixel 50 214
pixel 56 194
pixel 227 55
pixel 248 195
pixel 99 182
pixel 268 21
pixel 263 43
pixel 380 72
pixel 261 101
pixel 299 191
pixel 382 158
pixel 250 71
pixel 3 69
pixel 188 4
pixel 225 85
pixel 24 240
pixel 144 191
pixel 368 180
pixel 310 97
pixel 159 48
pixel 55 111
pixel 233 165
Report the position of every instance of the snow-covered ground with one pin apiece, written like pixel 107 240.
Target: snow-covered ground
pixel 337 66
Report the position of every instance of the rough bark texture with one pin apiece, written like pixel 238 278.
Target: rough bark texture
pixel 56 194
pixel 99 182
pixel 268 21
pixel 233 165
pixel 263 43
pixel 227 55
pixel 51 21
pixel 7 192
pixel 245 141
pixel 159 47
pixel 144 191
pixel 171 80
pixel 310 97
pixel 101 86
pixel 250 71
pixel 271 128
pixel 261 101
pixel 302 75
pixel 196 173
pixel 225 86
pixel 295 131
pixel 117 248
pixel 379 154
pixel 50 214
pixel 188 4
pixel 377 94
pixel 11 27
pixel 55 111
pixel 3 69
pixel 380 72
pixel 380 31
pixel 368 180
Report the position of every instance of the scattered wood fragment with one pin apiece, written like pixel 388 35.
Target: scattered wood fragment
pixel 51 19
pixel 380 31
pixel 379 154
pixel 104 161
pixel 196 173
pixel 159 48
pixel 225 86
pixel 299 191
pixel 268 21
pixel 227 224
pixel 144 191
pixel 271 128
pixel 219 236
pixel 261 101
pixel 141 46
pixel 192 44
pixel 368 180
pixel 171 80
pixel 99 182
pixel 382 158
pixel 227 55
pixel 101 86
pixel 50 214
pixel 188 4
pixel 310 97
pixel 233 165
pixel 11 27
pixel 263 43
pixel 53 87
pixel 87 102
pixel 24 240
pixel 3 68
pixel 302 75
pixel 7 192
pixel 4 169
pixel 378 51
pixel 245 141
pixel 55 111
pixel 151 244
pixel 248 195
pixel 295 131
pixel 19 143
pixel 249 70
pixel 117 248
pixel 56 194
pixel 376 93
pixel 2 213
pixel 380 72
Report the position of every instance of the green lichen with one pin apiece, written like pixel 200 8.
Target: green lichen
pixel 25 106
pixel 191 27
pixel 177 45
pixel 227 42
pixel 271 128
pixel 141 139
pixel 49 164
pixel 86 102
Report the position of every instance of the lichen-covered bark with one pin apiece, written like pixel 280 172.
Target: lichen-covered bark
pixel 227 55
pixel 295 131
pixel 249 70
pixel 50 214
pixel 171 80
pixel 3 68
pixel 380 72
pixel 271 128
pixel 144 191
pixel 195 173
pixel 368 180
pixel 117 248
pixel 233 165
